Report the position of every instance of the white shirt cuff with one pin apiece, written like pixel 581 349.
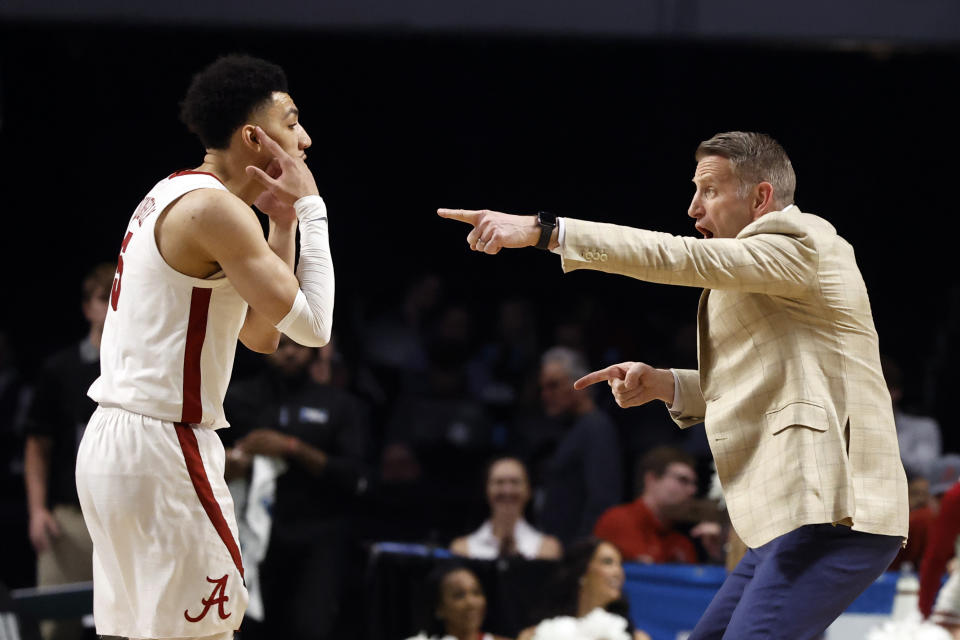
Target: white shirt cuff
pixel 561 236
pixel 675 407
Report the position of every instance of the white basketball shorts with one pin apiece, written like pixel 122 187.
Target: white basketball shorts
pixel 166 563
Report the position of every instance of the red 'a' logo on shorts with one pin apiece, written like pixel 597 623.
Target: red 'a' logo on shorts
pixel 219 597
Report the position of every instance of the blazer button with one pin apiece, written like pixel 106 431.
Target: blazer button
pixel 603 257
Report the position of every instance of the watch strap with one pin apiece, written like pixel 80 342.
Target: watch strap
pixel 547 222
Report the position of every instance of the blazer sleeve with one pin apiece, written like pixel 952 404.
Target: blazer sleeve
pixel 690 398
pixel 774 257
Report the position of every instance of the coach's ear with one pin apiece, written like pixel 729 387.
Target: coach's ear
pixel 762 199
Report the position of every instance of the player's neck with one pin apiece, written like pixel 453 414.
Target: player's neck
pixel 232 172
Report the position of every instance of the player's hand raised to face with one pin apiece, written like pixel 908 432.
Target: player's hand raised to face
pixel 632 383
pixel 279 211
pixel 294 179
pixel 493 230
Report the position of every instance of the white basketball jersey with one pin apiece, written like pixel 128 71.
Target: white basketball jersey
pixel 169 339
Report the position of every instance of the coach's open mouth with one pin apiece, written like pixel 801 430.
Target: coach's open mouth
pixel 706 232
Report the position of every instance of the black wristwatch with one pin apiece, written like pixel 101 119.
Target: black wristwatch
pixel 547 222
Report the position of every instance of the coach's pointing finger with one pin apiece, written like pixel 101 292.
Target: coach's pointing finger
pixel 463 215
pixel 493 230
pixel 613 372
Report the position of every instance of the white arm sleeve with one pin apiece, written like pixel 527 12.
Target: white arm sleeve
pixel 310 319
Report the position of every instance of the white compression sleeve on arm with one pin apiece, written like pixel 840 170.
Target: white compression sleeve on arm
pixel 310 319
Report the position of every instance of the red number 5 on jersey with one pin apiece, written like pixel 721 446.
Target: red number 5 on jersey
pixel 115 293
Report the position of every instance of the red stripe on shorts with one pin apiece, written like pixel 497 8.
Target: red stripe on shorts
pixel 201 484
pixel 196 332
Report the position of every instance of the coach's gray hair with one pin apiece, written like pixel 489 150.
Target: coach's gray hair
pixel 571 360
pixel 755 158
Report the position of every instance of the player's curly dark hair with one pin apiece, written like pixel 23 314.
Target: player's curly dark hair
pixel 222 96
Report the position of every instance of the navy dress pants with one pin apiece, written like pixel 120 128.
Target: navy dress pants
pixel 794 586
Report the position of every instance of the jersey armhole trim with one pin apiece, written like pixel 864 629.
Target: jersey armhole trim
pixel 190 172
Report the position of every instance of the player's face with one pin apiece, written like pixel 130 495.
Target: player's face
pixel 462 603
pixel 281 120
pixel 604 578
pixel 717 208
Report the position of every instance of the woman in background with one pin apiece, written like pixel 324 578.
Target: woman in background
pixel 506 532
pixel 590 578
pixel 457 605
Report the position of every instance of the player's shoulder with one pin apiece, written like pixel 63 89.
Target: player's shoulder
pixel 213 209
pixel 213 201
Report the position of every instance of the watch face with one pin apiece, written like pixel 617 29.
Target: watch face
pixel 547 218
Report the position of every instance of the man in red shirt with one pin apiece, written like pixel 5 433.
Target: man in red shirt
pixel 941 546
pixel 641 529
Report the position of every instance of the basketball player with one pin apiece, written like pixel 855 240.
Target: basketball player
pixel 195 274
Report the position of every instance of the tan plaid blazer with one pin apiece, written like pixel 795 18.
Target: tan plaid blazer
pixel 789 384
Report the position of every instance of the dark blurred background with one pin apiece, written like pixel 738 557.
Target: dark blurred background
pixel 592 120
pixel 590 111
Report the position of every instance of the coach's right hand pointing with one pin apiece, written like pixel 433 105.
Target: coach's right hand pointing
pixel 493 230
pixel 633 383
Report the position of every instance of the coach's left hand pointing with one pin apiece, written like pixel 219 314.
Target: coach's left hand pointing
pixel 493 230
pixel 633 383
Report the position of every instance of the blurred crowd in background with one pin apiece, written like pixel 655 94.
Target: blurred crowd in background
pixel 439 419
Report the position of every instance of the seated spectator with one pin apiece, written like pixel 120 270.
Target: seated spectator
pixel 918 436
pixel 591 577
pixel 942 605
pixel 456 605
pixel 450 431
pixel 402 504
pixel 923 513
pixel 506 532
pixel 501 373
pixel 395 339
pixel 582 476
pixel 918 492
pixel 642 530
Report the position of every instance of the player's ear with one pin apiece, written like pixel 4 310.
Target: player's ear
pixel 249 136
